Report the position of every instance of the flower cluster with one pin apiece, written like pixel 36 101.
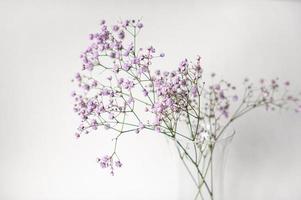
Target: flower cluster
pixel 113 68
pixel 117 80
pixel 175 90
pixel 107 162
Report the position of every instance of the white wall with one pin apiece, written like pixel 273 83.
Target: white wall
pixel 39 47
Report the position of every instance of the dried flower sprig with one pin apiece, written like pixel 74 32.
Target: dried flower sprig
pixel 117 81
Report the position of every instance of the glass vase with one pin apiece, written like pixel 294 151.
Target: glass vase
pixel 202 168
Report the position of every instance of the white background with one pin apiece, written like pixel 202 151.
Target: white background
pixel 40 43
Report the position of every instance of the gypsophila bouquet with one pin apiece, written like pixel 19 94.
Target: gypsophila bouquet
pixel 119 90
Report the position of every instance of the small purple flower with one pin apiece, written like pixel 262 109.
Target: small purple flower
pixel 77 135
pixel 118 164
pixel 126 23
pixel 169 102
pixel 105 161
pixel 262 81
pixel 78 77
pixel 165 73
pixel 73 93
pixel 183 82
pixel 225 113
pixel 162 55
pixel 121 35
pixel 157 129
pixel 130 101
pixel 113 54
pixel 94 83
pixel 222 94
pixel 120 81
pixel 139 25
pixel 86 87
pixel 194 91
pixel 151 49
pixel 126 66
pixel 115 28
pixel 102 22
pixel 145 92
pixel 183 65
